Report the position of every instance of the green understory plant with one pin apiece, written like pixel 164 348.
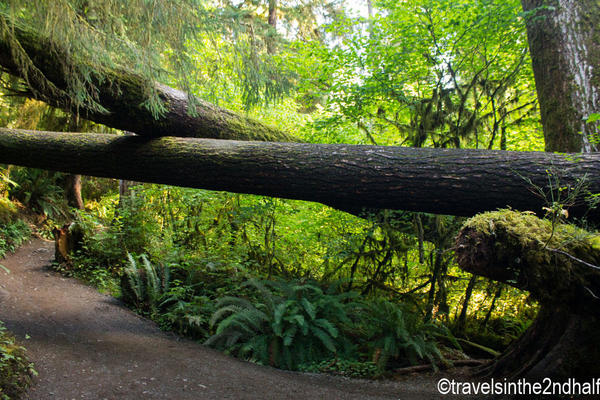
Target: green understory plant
pixel 288 324
pixel 39 190
pixel 344 367
pixel 15 370
pixel 12 235
pixel 187 317
pixel 393 333
pixel 144 284
pixel 90 270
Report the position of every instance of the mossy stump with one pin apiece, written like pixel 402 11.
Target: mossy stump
pixel 557 264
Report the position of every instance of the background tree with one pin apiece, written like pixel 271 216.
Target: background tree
pixel 565 53
pixel 450 75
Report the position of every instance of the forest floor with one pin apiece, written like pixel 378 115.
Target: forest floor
pixel 87 345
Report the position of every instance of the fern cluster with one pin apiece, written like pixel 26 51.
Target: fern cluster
pixel 153 290
pixel 39 190
pixel 188 317
pixel 294 325
pixel 144 284
pixel 288 324
pixel 392 332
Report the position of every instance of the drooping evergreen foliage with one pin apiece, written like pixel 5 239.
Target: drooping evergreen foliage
pixel 217 49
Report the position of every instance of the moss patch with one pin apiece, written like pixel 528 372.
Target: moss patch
pixel 533 254
pixel 525 230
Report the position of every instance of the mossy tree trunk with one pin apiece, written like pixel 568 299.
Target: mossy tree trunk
pixel 349 177
pixel 558 265
pixel 564 43
pixel 123 94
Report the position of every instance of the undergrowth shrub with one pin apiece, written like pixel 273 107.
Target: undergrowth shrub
pixel 343 367
pixel 187 317
pixel 394 334
pixel 497 333
pixel 39 190
pixel 8 210
pixel 143 284
pixel 15 370
pixel 288 324
pixel 12 235
pixel 179 298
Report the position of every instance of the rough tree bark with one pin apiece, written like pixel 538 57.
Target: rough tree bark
pixel 564 43
pixel 73 191
pixel 122 93
pixel 272 20
pixel 558 265
pixel 443 181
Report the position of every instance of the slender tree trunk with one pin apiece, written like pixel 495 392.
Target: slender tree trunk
pixel 462 318
pixel 271 39
pixel 490 310
pixel 73 191
pixel 435 261
pixel 564 42
pixel 349 177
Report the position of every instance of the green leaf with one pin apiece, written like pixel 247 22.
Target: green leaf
pixel 593 118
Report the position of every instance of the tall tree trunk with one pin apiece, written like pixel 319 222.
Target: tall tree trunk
pixel 123 95
pixel 349 177
pixel 564 42
pixel 271 39
pixel 73 191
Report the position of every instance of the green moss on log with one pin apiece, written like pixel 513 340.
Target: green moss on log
pixel 548 260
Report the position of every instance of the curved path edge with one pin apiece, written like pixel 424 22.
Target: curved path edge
pixel 87 345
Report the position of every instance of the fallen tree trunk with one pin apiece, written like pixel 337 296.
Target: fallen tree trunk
pixel 560 266
pixel 122 93
pixel 443 181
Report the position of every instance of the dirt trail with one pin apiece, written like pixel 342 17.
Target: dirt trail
pixel 86 345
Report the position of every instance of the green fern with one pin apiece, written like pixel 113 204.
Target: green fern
pixel 134 280
pixel 289 324
pixel 392 332
pixel 145 286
